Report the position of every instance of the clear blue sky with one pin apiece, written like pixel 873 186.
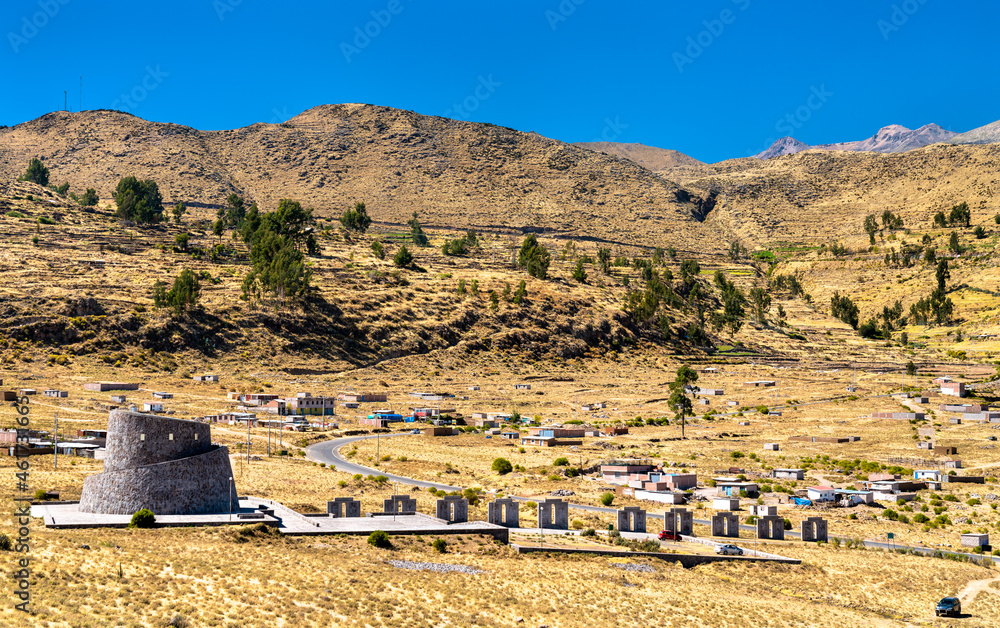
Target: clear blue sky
pixel 575 70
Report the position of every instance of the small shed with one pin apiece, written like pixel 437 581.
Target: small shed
pixel 820 493
pixel 726 503
pixel 975 540
pixel 118 398
pixel 163 395
pixel 152 406
pixel 771 446
pixel 933 475
pixel 788 474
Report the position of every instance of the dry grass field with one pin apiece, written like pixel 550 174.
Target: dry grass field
pixel 213 577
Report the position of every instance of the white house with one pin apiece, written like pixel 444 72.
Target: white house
pixel 152 406
pixel 820 493
pixel 934 475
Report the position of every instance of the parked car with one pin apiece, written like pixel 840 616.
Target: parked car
pixel 948 606
pixel 726 550
pixel 668 535
pixel 414 431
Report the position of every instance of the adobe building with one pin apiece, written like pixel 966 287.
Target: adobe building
pixel 169 466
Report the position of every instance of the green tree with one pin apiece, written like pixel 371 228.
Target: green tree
pixel 607 499
pixel 502 466
pixel 911 368
pixel 234 213
pixel 960 215
pixel 185 292
pixel 138 200
pixel 37 172
pixel 954 244
pixel 356 219
pixel 378 249
pixel 534 257
pixel 520 293
pixel 979 232
pixel 179 210
pixel 940 220
pixel 604 259
pixel 761 302
pixel 218 228
pixel 689 271
pixel 871 226
pixel 682 389
pixel 63 190
pixel 494 301
pixel 843 308
pixel 578 272
pixel 942 274
pixel 89 198
pixel 416 232
pixel 181 241
pixel 736 251
pixel 403 257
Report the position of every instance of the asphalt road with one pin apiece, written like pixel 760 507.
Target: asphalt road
pixel 327 452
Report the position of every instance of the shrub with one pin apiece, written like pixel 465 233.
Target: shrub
pixel 356 219
pixel 589 532
pixel 45 220
pixel 89 198
pixel 380 539
pixel 402 258
pixel 890 514
pixel 561 462
pixel 607 499
pixel 37 172
pixel 571 472
pixel 440 546
pixel 788 524
pixel 5 543
pixel 502 466
pixel 143 519
pixel 40 495
pixel 137 200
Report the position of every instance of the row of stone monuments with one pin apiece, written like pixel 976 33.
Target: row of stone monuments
pixel 553 514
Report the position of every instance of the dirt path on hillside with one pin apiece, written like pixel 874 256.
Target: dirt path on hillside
pixel 976 587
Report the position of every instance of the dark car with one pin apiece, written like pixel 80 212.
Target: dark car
pixel 948 606
pixel 668 535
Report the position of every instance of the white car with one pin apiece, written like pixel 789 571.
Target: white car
pixel 727 550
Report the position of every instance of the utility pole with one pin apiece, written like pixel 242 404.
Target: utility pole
pixel 55 444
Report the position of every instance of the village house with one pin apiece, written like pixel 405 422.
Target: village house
pixel 55 393
pixel 619 472
pixel 788 474
pixel 364 397
pixel 820 493
pixel 206 378
pixel 553 436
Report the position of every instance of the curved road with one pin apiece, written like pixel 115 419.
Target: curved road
pixel 329 452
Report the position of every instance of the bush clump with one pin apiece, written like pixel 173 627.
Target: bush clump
pixel 143 518
pixel 379 539
pixel 440 546
pixel 502 466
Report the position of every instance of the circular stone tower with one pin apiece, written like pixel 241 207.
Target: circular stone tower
pixel 169 466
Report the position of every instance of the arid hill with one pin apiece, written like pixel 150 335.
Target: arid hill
pixel 671 164
pixel 455 174
pixel 819 196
